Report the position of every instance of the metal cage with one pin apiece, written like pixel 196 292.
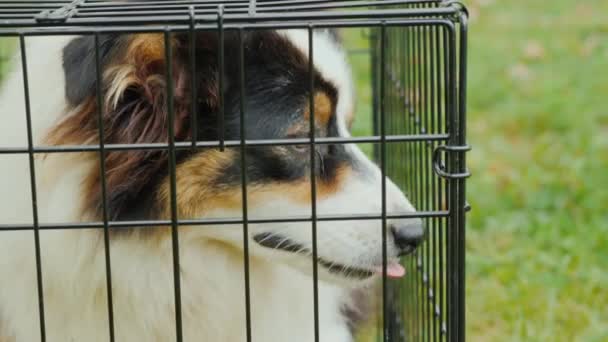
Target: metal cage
pixel 418 53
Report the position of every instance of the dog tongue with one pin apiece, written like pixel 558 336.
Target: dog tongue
pixel 393 270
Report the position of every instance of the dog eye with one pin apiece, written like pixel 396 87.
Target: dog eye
pixel 298 148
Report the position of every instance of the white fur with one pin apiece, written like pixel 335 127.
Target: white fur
pixel 330 60
pixel 212 275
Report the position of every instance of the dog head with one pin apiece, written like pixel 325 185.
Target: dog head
pixel 278 104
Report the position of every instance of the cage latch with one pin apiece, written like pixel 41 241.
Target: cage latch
pixel 440 168
pixel 60 15
pixel 458 5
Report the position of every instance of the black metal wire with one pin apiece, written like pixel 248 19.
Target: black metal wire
pixel 193 85
pixel 33 12
pixel 385 305
pixel 220 57
pixel 313 179
pixel 17 21
pixel 32 165
pixel 427 172
pixel 462 74
pixel 452 122
pixel 104 195
pixel 228 143
pixel 415 116
pixel 398 291
pixel 418 69
pixel 403 151
pixel 244 187
pixel 173 185
pixel 433 192
pixel 208 23
pixel 375 86
pixel 443 122
pixel 207 8
pixel 395 292
pixel 409 181
pixel 413 173
pixel 227 221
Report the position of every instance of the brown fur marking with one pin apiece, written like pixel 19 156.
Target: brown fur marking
pixel 146 48
pixel 324 109
pixel 198 192
pixel 135 112
pixel 301 191
pixel 195 185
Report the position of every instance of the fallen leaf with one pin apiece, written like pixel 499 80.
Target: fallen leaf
pixel 534 51
pixel 520 72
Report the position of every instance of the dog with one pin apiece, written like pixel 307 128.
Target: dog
pixel 134 109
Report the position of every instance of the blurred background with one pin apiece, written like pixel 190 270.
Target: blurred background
pixel 537 238
pixel 537 235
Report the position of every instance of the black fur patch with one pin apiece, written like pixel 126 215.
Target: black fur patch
pixel 276 97
pixel 80 67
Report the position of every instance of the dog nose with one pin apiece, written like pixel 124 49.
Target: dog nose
pixel 407 236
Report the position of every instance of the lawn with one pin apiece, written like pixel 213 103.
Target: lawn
pixel 538 234
pixel 537 241
pixel 6 48
pixel 537 249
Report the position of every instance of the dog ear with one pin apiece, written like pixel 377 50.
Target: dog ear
pixel 135 110
pixel 79 65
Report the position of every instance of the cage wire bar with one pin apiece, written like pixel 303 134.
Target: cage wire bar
pixel 421 89
pixel 418 54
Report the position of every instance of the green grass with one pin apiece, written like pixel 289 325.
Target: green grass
pixel 6 48
pixel 538 235
pixel 537 239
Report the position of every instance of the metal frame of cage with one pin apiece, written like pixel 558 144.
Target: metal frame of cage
pixel 418 52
